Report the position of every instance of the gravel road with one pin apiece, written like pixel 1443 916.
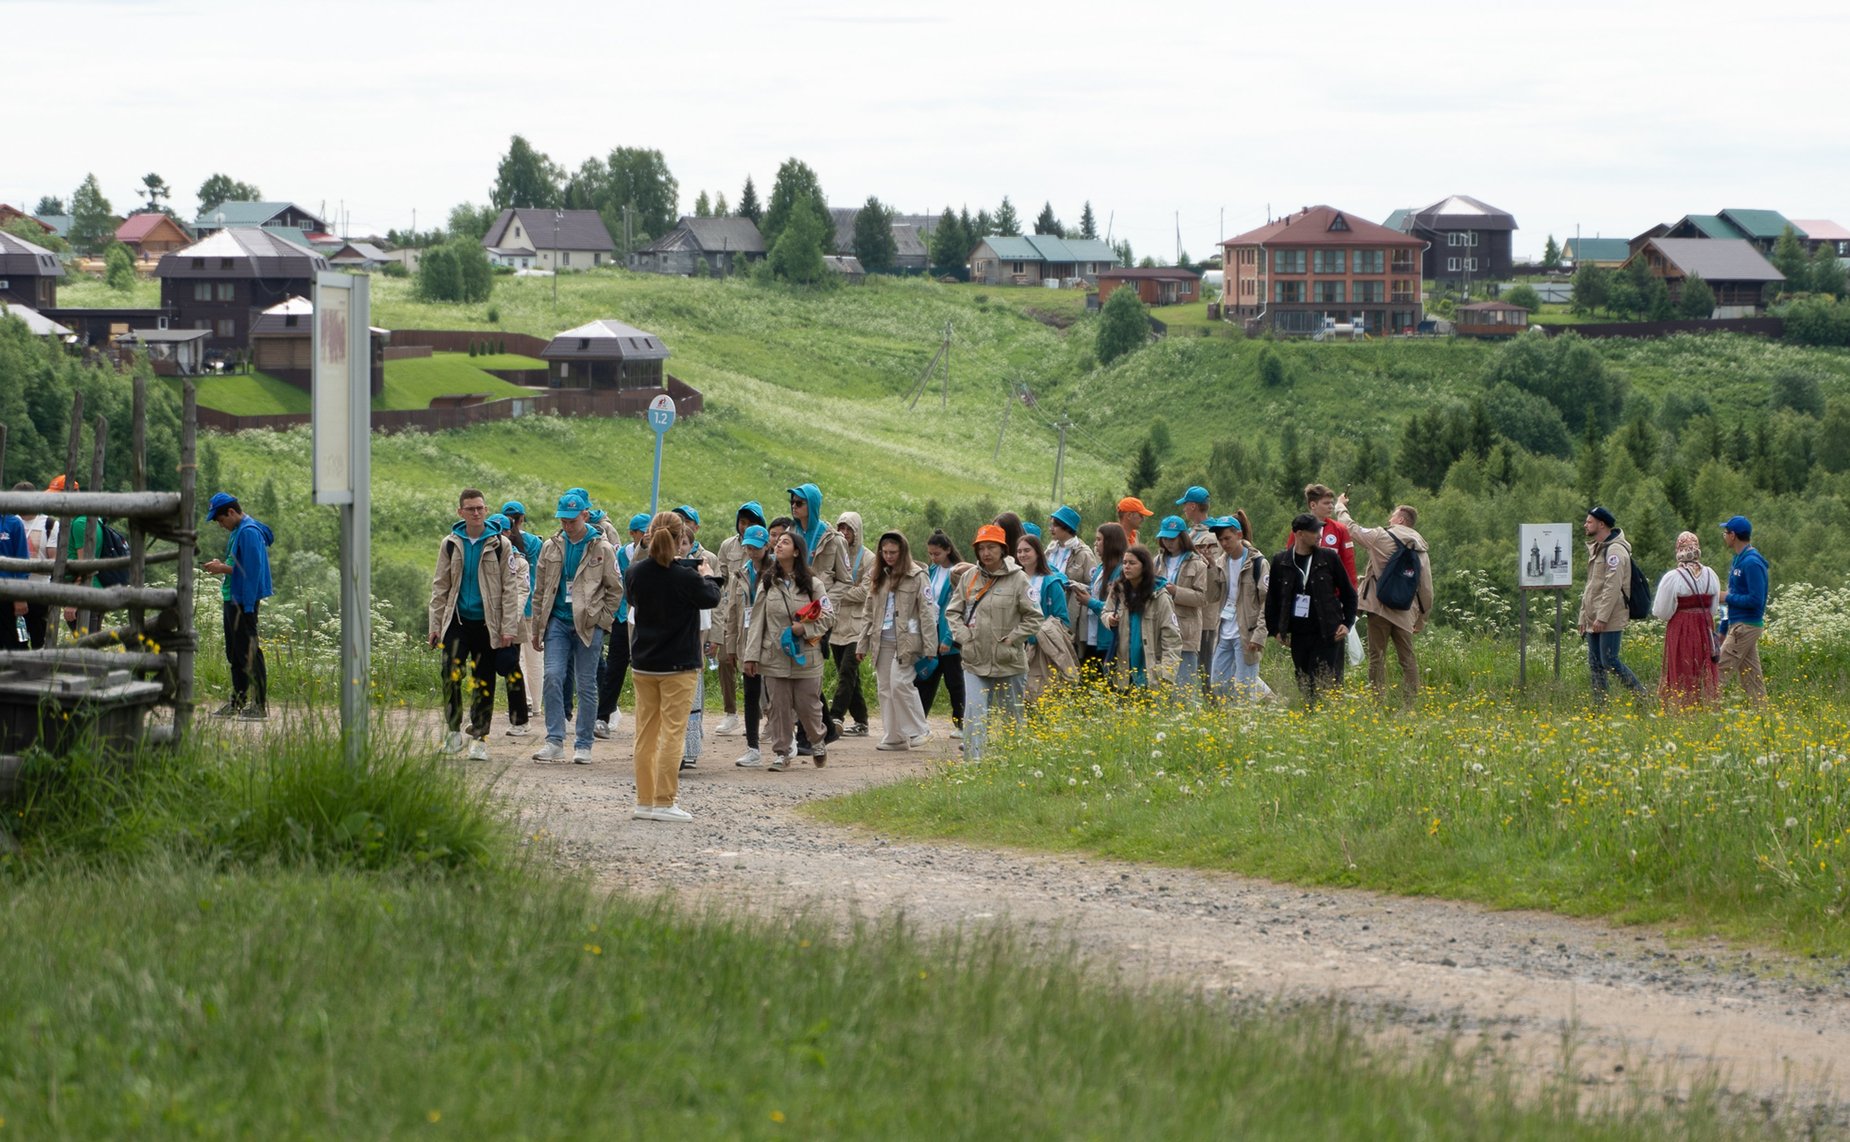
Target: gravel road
pixel 1633 1002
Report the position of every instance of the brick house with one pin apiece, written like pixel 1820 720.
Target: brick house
pixel 1293 273
pixel 1156 285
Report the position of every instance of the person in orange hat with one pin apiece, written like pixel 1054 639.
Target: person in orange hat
pixel 1131 514
pixel 993 613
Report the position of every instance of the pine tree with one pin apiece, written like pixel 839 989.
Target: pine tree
pixel 1145 470
pixel 1088 222
pixel 1551 254
pixel 1590 468
pixel 950 249
pixel 748 202
pixel 49 204
pixel 1007 222
pixel 874 244
pixel 1827 273
pixel 1789 259
pixel 1696 301
pixel 1046 223
pixel 92 224
pixel 119 269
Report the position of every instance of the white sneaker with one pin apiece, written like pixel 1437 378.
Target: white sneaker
pixel 957 734
pixel 616 719
pixel 642 813
pixel 453 742
pixel 519 731
pixel 551 751
pixel 894 747
pixel 728 726
pixel 478 750
pixel 919 739
pixel 670 813
pixel 778 763
pixel 601 730
pixel 750 759
pixel 581 757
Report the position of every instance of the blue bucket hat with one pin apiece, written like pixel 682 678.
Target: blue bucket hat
pixel 220 501
pixel 688 514
pixel 1033 529
pixel 513 507
pixel 1067 518
pixel 571 505
pixel 755 536
pixel 1173 525
pixel 1196 494
pixel 640 521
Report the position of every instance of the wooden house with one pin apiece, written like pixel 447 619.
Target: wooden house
pixel 724 243
pixel 1468 240
pixel 911 238
pixel 847 265
pixel 359 256
pixel 14 213
pixel 36 323
pixel 223 281
pixel 1296 272
pixel 1156 285
pixel 1734 269
pixel 1823 232
pixel 606 354
pixel 29 273
pixel 1491 319
pixel 264 215
pixel 1030 259
pixel 1606 253
pixel 152 234
pixel 550 240
pixel 282 344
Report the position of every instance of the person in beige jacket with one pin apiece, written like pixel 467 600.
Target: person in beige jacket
pixel 899 626
pixel 1388 624
pixel 476 599
pixel 733 621
pixel 1075 559
pixel 575 597
pixel 1603 607
pixel 1187 576
pixel 1239 614
pixel 786 651
pixel 849 598
pixel 993 614
pixel 731 560
pixel 1149 641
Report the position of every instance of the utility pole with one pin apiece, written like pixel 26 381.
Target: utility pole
pixel 944 399
pixel 1059 457
pixel 558 216
pixel 1006 409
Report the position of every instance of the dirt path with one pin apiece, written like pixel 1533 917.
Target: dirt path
pixel 1634 1001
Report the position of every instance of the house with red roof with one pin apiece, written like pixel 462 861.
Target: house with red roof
pixel 152 234
pixel 1821 232
pixel 1321 264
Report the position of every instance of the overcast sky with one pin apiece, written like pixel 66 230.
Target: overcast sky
pixel 1608 116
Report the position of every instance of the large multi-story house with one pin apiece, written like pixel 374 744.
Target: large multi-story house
pixel 1468 240
pixel 1296 273
pixel 223 282
pixel 29 273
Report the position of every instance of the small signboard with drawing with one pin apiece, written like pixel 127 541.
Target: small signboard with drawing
pixel 1545 556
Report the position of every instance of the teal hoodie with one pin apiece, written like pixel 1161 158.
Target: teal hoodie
pixel 812 535
pixel 469 599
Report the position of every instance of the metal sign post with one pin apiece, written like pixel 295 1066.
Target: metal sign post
pixel 661 419
pixel 342 414
pixel 1544 562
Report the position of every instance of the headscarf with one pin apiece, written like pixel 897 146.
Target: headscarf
pixel 1689 548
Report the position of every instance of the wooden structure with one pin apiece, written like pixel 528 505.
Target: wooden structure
pixel 152 234
pixel 1468 240
pixel 1493 319
pixel 1030 259
pixel 550 239
pixel 29 273
pixel 1156 285
pixel 280 344
pixel 1737 273
pixel 1294 272
pixel 723 243
pixel 222 282
pixel 107 681
pixel 606 354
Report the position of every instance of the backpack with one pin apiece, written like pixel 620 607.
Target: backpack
pixel 1638 598
pixel 1398 584
pixel 111 544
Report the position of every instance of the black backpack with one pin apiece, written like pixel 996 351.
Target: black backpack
pixel 111 544
pixel 1638 598
pixel 1398 585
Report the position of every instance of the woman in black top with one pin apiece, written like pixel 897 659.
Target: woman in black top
pixel 666 593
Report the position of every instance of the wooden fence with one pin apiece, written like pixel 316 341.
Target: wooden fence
pixel 459 340
pixel 1773 327
pixel 555 402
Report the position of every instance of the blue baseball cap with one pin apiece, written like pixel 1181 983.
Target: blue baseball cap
pixel 1223 522
pixel 499 522
pixel 580 493
pixel 513 507
pixel 572 505
pixel 597 516
pixel 1067 518
pixel 755 536
pixel 1173 525
pixel 640 521
pixel 1196 494
pixel 1739 524
pixel 688 514
pixel 1033 529
pixel 220 501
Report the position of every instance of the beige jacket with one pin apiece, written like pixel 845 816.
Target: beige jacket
pixel 1250 591
pixel 730 559
pixel 596 590
pixel 1190 595
pixel 850 595
pixel 733 615
pixel 1080 561
pixel 915 618
pixel 992 617
pixel 1609 576
pixel 1379 543
pixel 504 594
pixel 1162 638
pixel 774 609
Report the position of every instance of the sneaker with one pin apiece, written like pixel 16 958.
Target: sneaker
pixel 642 813
pixel 519 731
pixel 601 730
pixel 806 751
pixel 616 719
pixel 581 756
pixel 453 742
pixel 857 730
pixel 551 751
pixel 916 741
pixel 821 758
pixel 750 759
pixel 779 763
pixel 478 750
pixel 670 813
pixel 833 735
pixel 228 710
pixel 893 747
pixel 957 733
pixel 728 726
pixel 687 763
pixel 253 713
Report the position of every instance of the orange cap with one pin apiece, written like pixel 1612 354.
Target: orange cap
pixel 1133 504
pixel 990 533
pixel 58 485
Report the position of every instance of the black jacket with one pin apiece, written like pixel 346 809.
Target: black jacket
pixel 667 602
pixel 1332 596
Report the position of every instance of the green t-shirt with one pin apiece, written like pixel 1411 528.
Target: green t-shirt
pixel 224 581
pixel 74 545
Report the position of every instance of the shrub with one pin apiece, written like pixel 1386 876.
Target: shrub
pixel 1525 296
pixel 1271 368
pixel 1124 326
pixel 1818 321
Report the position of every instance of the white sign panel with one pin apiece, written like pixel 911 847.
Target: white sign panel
pixel 661 413
pixel 331 392
pixel 1545 555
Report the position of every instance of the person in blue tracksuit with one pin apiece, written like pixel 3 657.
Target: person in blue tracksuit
pixel 1746 615
pixel 246 568
pixel 941 571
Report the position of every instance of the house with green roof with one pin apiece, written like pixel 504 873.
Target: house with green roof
pixel 267 215
pixel 1760 227
pixel 1030 259
pixel 1607 253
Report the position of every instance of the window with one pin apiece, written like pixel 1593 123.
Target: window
pixel 1014 267
pixel 1451 264
pixel 1326 292
pixel 516 229
pixel 227 291
pixel 1287 261
pixel 1451 239
pixel 227 327
pixel 224 263
pixel 1471 265
pixel 1287 292
pixel 202 291
pixel 1327 262
pixel 1403 291
pixel 1369 293
pixel 1370 261
pixel 565 258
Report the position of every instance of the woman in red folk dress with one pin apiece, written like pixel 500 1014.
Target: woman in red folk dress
pixel 1687 600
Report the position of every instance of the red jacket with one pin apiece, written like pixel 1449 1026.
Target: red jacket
pixel 1335 539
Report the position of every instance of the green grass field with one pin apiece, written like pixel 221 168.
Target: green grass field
pixel 247 394
pixel 416 381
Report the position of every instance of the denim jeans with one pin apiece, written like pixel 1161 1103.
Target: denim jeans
pixel 1188 669
pixel 1005 692
pixel 1232 675
pixel 562 646
pixel 1603 659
